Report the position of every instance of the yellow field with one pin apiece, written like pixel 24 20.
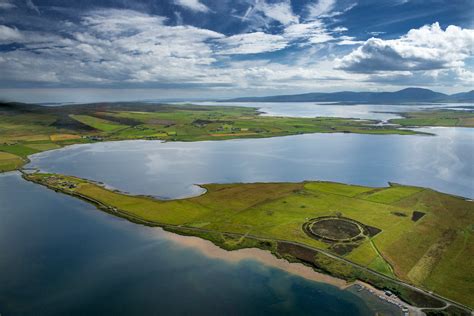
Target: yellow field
pixel 60 137
pixel 9 161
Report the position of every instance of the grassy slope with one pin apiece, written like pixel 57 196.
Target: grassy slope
pixel 448 118
pixel 439 241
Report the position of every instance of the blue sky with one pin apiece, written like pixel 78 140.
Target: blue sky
pixel 213 49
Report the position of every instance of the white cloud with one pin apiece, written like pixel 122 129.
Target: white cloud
pixel 296 31
pixel 348 40
pixel 426 48
pixel 321 8
pixel 194 5
pixel 326 9
pixel 340 29
pixel 8 34
pixel 129 48
pixel 113 46
pixel 279 11
pixel 313 32
pixel 121 22
pixel 252 43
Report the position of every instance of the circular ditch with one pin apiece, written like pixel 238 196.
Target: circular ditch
pixel 335 229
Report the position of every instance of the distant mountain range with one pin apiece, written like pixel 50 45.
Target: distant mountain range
pixel 408 95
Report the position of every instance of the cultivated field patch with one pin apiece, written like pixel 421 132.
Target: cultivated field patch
pixel 392 194
pixel 98 123
pixel 9 161
pixel 61 137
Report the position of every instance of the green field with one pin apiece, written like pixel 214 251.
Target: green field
pixel 9 162
pixel 26 129
pixel 432 252
pixel 98 123
pixel 441 117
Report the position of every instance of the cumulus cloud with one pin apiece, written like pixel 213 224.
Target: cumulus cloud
pixel 117 48
pixel 252 43
pixel 194 5
pixel 279 11
pixel 426 48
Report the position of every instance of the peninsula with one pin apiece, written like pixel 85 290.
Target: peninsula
pixel 400 238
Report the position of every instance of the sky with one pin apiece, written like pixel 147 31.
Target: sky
pixel 86 50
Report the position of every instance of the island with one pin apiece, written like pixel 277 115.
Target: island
pixel 411 241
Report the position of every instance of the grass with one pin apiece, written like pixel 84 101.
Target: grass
pixel 391 195
pixel 337 188
pixel 440 117
pixel 28 129
pixel 18 149
pixel 98 123
pixel 43 146
pixel 9 162
pixel 272 211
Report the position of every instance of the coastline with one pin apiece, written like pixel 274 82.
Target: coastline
pixel 268 259
pixel 253 247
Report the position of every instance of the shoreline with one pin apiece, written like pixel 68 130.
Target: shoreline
pixel 265 257
pixel 268 246
pixel 200 185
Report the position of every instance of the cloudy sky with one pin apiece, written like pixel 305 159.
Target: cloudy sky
pixel 222 48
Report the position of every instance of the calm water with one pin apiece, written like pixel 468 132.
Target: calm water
pixel 61 256
pixel 170 170
pixel 313 109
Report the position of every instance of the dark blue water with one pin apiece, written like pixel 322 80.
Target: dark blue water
pixel 61 256
pixel 443 162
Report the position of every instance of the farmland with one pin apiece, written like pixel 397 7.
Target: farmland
pixel 419 251
pixel 26 129
pixel 440 117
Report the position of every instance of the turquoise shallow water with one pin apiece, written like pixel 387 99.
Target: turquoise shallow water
pixel 61 256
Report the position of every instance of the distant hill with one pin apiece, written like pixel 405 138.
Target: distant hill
pixel 403 96
pixel 463 96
